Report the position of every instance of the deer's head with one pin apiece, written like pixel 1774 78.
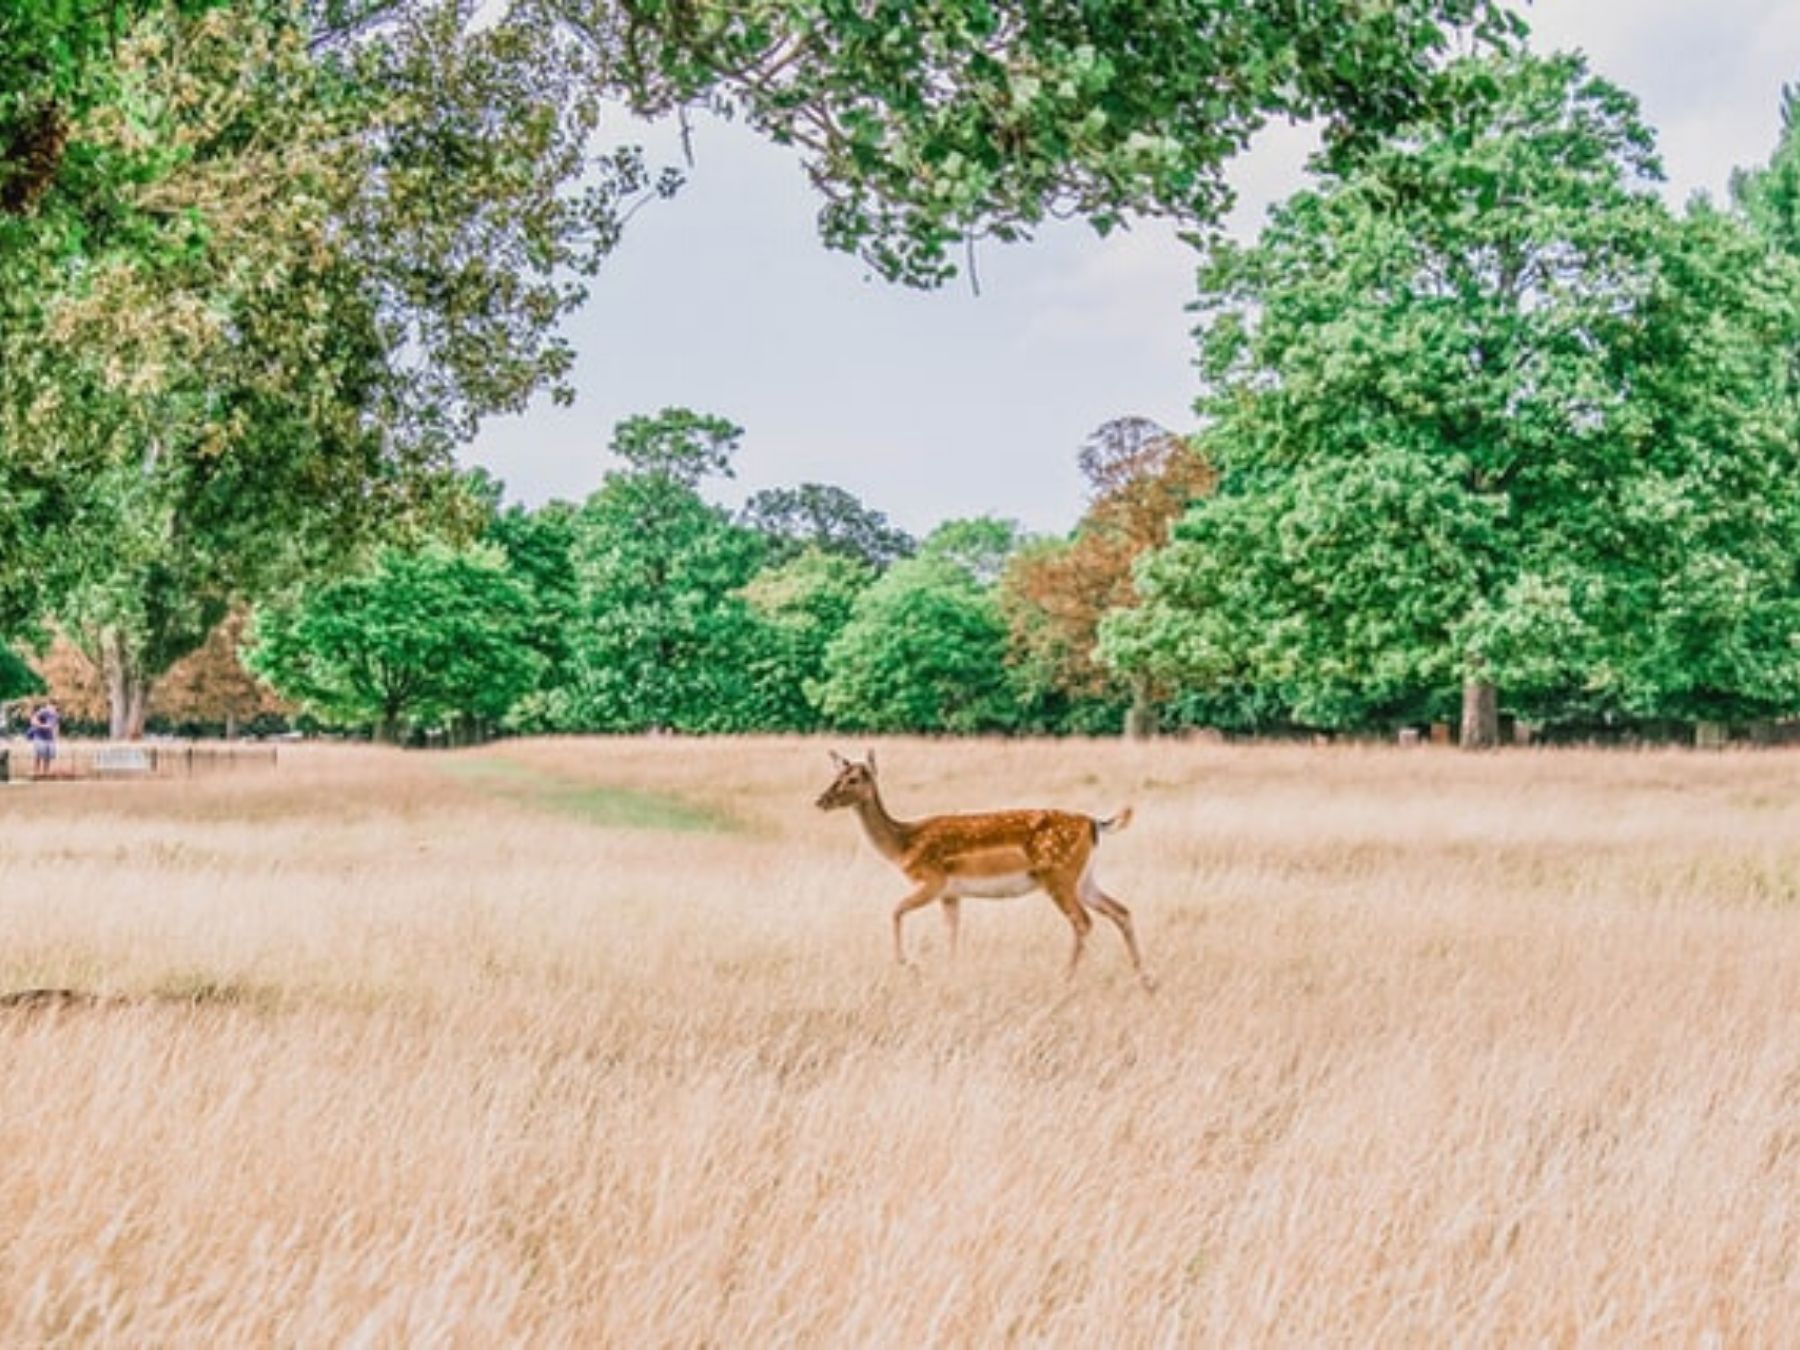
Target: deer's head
pixel 854 784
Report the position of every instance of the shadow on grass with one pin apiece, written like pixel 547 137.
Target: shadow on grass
pixel 178 991
pixel 610 807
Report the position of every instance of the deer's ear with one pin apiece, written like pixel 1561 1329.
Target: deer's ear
pixel 871 761
pixel 837 760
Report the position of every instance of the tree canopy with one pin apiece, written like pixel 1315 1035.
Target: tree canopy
pixel 800 606
pixel 16 677
pixel 1141 477
pixel 1769 195
pixel 423 640
pixel 830 519
pixel 1486 416
pixel 925 646
pixel 272 262
pixel 1480 416
pixel 925 127
pixel 662 631
pixel 254 317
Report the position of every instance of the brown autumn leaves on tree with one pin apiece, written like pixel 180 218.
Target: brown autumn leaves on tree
pixel 207 688
pixel 1141 478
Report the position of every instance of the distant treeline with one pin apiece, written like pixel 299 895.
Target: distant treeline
pixel 647 607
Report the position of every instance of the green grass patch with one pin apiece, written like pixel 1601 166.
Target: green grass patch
pixel 610 807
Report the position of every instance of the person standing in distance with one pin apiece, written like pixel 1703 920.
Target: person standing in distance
pixel 46 722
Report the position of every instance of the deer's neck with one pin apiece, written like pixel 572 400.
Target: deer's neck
pixel 889 836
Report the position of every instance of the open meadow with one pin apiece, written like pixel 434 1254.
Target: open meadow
pixel 599 1043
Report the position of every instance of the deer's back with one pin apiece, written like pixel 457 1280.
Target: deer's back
pixel 1000 842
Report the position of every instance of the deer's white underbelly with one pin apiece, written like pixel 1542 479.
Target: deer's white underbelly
pixel 1000 886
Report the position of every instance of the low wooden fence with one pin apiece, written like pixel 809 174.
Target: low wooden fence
pixel 136 759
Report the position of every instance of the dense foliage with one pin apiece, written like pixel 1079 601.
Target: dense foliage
pixel 1770 194
pixel 927 126
pixel 16 677
pixel 249 317
pixel 1056 594
pixel 1489 419
pixel 925 646
pixel 1482 421
pixel 648 607
pixel 826 518
pixel 263 266
pixel 431 638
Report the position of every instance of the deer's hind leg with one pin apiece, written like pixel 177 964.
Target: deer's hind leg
pixel 1063 891
pixel 1102 903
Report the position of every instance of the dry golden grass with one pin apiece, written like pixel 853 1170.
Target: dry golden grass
pixel 421 1049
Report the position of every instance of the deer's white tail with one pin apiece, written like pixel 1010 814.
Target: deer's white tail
pixel 1113 825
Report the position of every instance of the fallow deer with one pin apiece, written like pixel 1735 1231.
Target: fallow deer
pixel 995 855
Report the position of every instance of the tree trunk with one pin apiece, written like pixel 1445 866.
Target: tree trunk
pixel 1480 715
pixel 127 687
pixel 1140 719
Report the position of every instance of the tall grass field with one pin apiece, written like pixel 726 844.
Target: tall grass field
pixel 600 1043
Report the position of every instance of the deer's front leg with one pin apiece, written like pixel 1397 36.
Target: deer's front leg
pixel 953 920
pixel 927 892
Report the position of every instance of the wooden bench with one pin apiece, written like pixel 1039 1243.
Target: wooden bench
pixel 123 761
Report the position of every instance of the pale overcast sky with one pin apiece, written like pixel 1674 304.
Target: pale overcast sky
pixel 931 405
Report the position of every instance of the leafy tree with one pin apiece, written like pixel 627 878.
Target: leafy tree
pixel 54 65
pixel 799 606
pixel 539 550
pixel 1141 478
pixel 664 633
pixel 132 376
pixel 297 314
pixel 1486 416
pixel 979 546
pixel 426 639
pixel 925 126
pixel 925 648
pixel 1701 618
pixel 820 516
pixel 678 444
pixel 1770 196
pixel 210 689
pixel 17 678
